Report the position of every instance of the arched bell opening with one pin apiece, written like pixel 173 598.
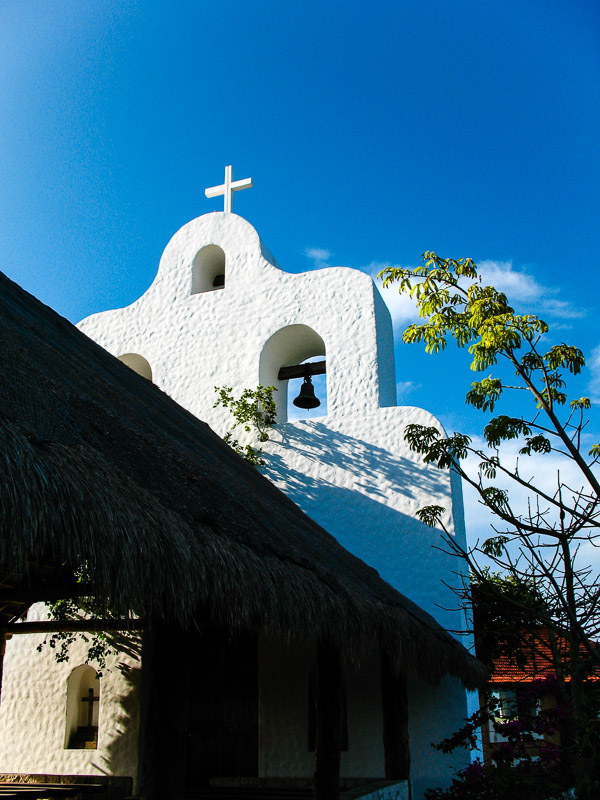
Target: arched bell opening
pixel 83 709
pixel 208 269
pixel 290 358
pixel 138 364
pixel 302 390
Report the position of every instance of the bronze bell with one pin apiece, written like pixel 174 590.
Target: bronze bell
pixel 306 398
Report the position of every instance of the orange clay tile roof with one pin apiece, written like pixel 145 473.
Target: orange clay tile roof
pixel 537 662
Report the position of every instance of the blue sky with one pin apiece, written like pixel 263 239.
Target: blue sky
pixel 372 133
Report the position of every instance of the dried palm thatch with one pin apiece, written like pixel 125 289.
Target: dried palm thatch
pixel 99 467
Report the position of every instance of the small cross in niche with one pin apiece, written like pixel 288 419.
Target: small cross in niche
pixel 90 699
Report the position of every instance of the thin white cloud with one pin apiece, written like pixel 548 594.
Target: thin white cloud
pixel 523 290
pixel 562 308
pixel 521 287
pixel 543 471
pixel 402 308
pixel 406 388
pixel 516 284
pixel 319 255
pixel 561 326
pixel 592 362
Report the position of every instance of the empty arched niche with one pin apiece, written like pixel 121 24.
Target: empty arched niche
pixel 83 707
pixel 292 346
pixel 138 364
pixel 208 269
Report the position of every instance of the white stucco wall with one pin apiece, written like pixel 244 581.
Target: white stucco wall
pixel 350 470
pixel 356 476
pixel 283 720
pixel 435 712
pixel 283 715
pixel 194 342
pixel 33 711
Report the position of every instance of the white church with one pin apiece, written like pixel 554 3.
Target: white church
pixel 221 312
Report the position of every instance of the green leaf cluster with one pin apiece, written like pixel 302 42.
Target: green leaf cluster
pixel 539 535
pixel 450 295
pixel 100 644
pixel 255 412
pixel 456 304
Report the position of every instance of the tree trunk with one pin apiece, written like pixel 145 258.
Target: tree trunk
pixel 587 761
pixel 395 721
pixel 329 723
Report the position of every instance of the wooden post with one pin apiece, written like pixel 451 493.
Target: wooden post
pixel 329 723
pixel 164 722
pixel 2 651
pixel 395 721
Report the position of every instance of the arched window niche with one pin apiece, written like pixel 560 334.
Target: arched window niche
pixel 208 269
pixel 138 364
pixel 83 707
pixel 291 346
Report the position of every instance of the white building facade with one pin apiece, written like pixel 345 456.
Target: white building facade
pixel 221 312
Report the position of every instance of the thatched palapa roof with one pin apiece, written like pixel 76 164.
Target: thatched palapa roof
pixel 99 467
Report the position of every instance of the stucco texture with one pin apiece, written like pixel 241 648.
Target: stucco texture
pixel 33 718
pixel 350 470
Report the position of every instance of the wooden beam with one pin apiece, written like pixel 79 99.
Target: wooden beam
pixel 300 370
pixel 395 721
pixel 87 625
pixel 42 594
pixel 329 722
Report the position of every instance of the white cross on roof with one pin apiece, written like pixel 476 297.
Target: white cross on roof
pixel 228 188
